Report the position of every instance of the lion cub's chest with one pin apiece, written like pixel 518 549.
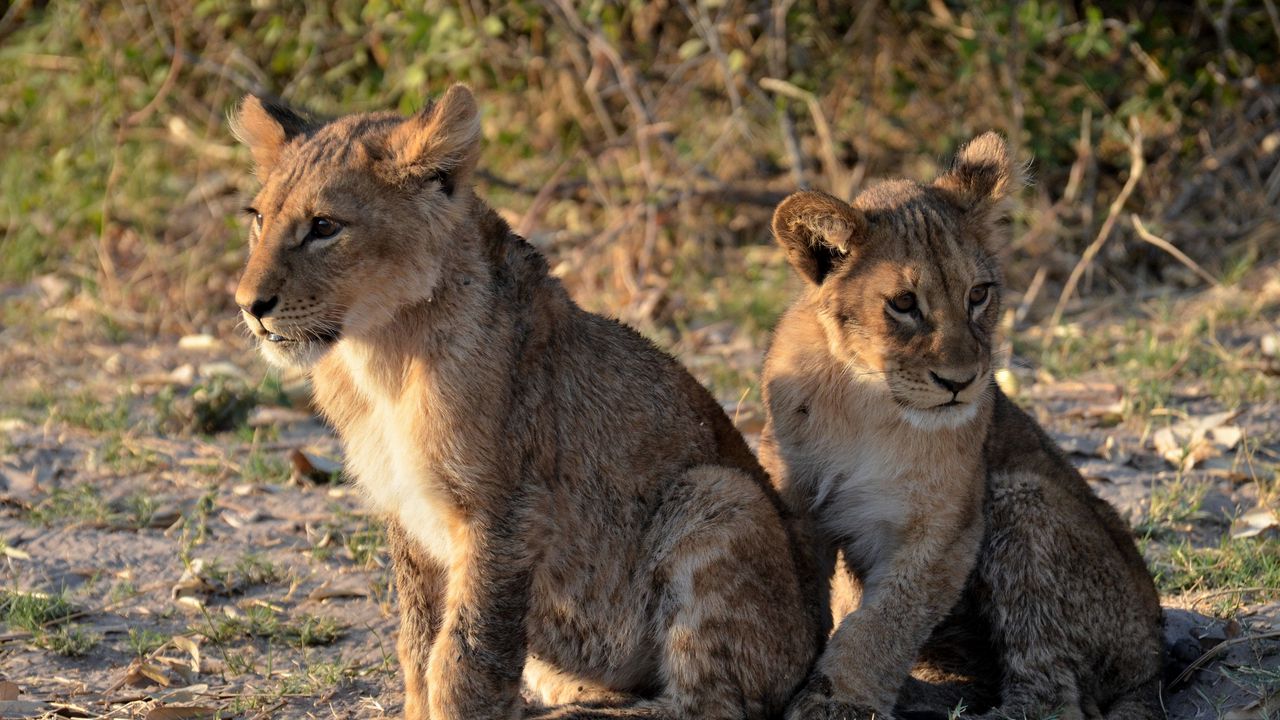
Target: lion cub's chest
pixel 389 466
pixel 389 451
pixel 863 493
pixel 878 485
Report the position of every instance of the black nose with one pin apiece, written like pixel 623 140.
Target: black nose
pixel 953 386
pixel 260 308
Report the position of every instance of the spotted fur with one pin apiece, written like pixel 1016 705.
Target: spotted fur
pixel 970 547
pixel 564 501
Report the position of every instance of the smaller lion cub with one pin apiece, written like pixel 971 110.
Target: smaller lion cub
pixel 978 551
pixel 565 503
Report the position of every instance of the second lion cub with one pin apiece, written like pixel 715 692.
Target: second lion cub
pixel 976 546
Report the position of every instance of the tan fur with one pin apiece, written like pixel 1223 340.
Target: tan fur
pixel 563 499
pixel 977 550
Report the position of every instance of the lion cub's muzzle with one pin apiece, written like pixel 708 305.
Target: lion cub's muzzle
pixel 953 387
pixel 290 336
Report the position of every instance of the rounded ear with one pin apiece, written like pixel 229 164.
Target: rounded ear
pixel 818 232
pixel 266 128
pixel 983 173
pixel 440 141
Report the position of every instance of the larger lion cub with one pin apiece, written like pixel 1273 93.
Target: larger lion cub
pixel 565 502
pixel 975 545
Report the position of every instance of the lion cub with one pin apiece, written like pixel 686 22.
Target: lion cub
pixel 957 517
pixel 564 501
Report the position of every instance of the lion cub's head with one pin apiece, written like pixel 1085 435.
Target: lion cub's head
pixel 354 220
pixel 904 282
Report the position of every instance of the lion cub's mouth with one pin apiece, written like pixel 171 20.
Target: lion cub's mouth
pixel 327 336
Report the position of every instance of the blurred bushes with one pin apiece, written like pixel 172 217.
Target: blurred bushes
pixel 640 143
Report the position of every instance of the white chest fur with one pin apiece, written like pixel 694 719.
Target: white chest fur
pixel 862 495
pixel 388 459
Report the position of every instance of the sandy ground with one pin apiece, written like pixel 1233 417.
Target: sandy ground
pixel 219 541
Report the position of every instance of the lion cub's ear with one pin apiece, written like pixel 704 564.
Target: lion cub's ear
pixel 983 173
pixel 440 142
pixel 266 128
pixel 818 231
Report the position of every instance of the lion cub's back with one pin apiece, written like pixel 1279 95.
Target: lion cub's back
pixel 1017 446
pixel 620 393
pixel 1038 502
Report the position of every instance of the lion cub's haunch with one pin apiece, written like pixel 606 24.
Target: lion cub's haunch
pixel 975 545
pixel 564 500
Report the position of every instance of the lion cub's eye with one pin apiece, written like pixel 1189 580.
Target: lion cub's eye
pixel 978 295
pixel 903 302
pixel 322 228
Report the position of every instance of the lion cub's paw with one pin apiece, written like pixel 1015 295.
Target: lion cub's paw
pixel 815 702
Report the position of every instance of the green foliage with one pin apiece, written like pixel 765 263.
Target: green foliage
pixel 1161 349
pixel 89 412
pixel 263 622
pixel 250 570
pixel 1172 506
pixel 265 468
pixel 83 503
pixel 365 545
pixel 138 179
pixel 46 617
pixel 144 641
pixel 1240 563
pixel 79 503
pixel 31 611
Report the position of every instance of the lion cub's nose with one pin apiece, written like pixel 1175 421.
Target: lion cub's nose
pixel 259 308
pixel 953 386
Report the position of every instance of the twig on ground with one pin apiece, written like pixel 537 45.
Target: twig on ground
pixel 1033 291
pixel 842 182
pixel 1217 649
pixel 540 201
pixel 1168 247
pixel 1137 164
pixel 1084 153
pixel 777 56
pixel 1231 591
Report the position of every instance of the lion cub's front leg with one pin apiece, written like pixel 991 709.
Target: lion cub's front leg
pixel 872 651
pixel 478 657
pixel 420 584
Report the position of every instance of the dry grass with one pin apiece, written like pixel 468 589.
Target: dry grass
pixel 639 144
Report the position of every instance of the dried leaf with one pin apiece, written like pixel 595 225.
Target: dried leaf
pixel 181 712
pixel 340 588
pixel 222 368
pixel 239 520
pixel 15 553
pixel 197 342
pixel 191 647
pixel 271 415
pixel 192 581
pixel 184 695
pixel 141 673
pixel 1195 440
pixel 314 467
pixel 9 691
pixel 1254 523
